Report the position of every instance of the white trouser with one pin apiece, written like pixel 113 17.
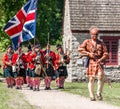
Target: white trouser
pixel 91 86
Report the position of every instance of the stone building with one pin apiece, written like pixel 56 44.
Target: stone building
pixel 79 16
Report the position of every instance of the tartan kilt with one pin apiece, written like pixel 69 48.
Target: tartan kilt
pixel 94 69
pixel 22 72
pixel 28 72
pixel 49 70
pixel 7 73
pixel 62 71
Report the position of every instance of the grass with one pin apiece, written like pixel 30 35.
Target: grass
pixel 11 99
pixel 1 71
pixel 110 95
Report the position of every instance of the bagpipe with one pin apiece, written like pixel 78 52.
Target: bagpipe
pixel 64 58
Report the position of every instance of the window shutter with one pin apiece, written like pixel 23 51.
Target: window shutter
pixel 112 47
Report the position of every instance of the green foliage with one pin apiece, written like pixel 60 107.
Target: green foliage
pixel 8 9
pixel 4 44
pixel 49 19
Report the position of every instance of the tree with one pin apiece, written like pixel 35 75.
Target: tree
pixel 49 18
pixel 8 9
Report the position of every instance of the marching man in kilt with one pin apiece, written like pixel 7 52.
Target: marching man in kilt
pixel 36 61
pixel 97 52
pixel 62 60
pixel 7 66
pixel 31 66
pixel 49 66
pixel 19 60
pixel 28 74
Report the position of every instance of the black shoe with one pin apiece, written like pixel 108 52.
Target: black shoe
pixel 61 87
pixel 92 99
pixel 17 87
pixel 8 86
pixel 11 86
pixel 38 89
pixel 28 85
pixel 31 87
pixel 47 88
pixel 99 97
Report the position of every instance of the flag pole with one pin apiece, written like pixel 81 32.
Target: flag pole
pixel 36 22
pixel 48 38
pixel 34 41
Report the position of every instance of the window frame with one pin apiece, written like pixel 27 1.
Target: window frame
pixel 110 39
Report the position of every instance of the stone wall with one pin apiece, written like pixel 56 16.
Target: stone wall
pixel 79 72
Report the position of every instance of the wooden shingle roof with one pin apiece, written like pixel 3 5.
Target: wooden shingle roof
pixel 102 13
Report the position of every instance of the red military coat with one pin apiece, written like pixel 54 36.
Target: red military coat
pixel 52 55
pixel 31 59
pixel 23 58
pixel 5 59
pixel 58 60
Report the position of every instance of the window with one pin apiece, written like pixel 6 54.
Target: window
pixel 112 47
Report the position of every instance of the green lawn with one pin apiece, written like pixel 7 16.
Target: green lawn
pixel 1 71
pixel 110 95
pixel 11 99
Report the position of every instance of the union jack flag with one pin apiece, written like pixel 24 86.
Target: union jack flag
pixel 22 26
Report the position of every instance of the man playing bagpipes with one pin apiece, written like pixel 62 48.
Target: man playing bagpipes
pixel 7 66
pixel 49 66
pixel 62 60
pixel 97 53
pixel 19 61
pixel 36 62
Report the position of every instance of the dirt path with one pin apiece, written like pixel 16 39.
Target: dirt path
pixel 55 99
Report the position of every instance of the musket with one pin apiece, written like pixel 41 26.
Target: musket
pixel 47 56
pixel 47 52
pixel 18 62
